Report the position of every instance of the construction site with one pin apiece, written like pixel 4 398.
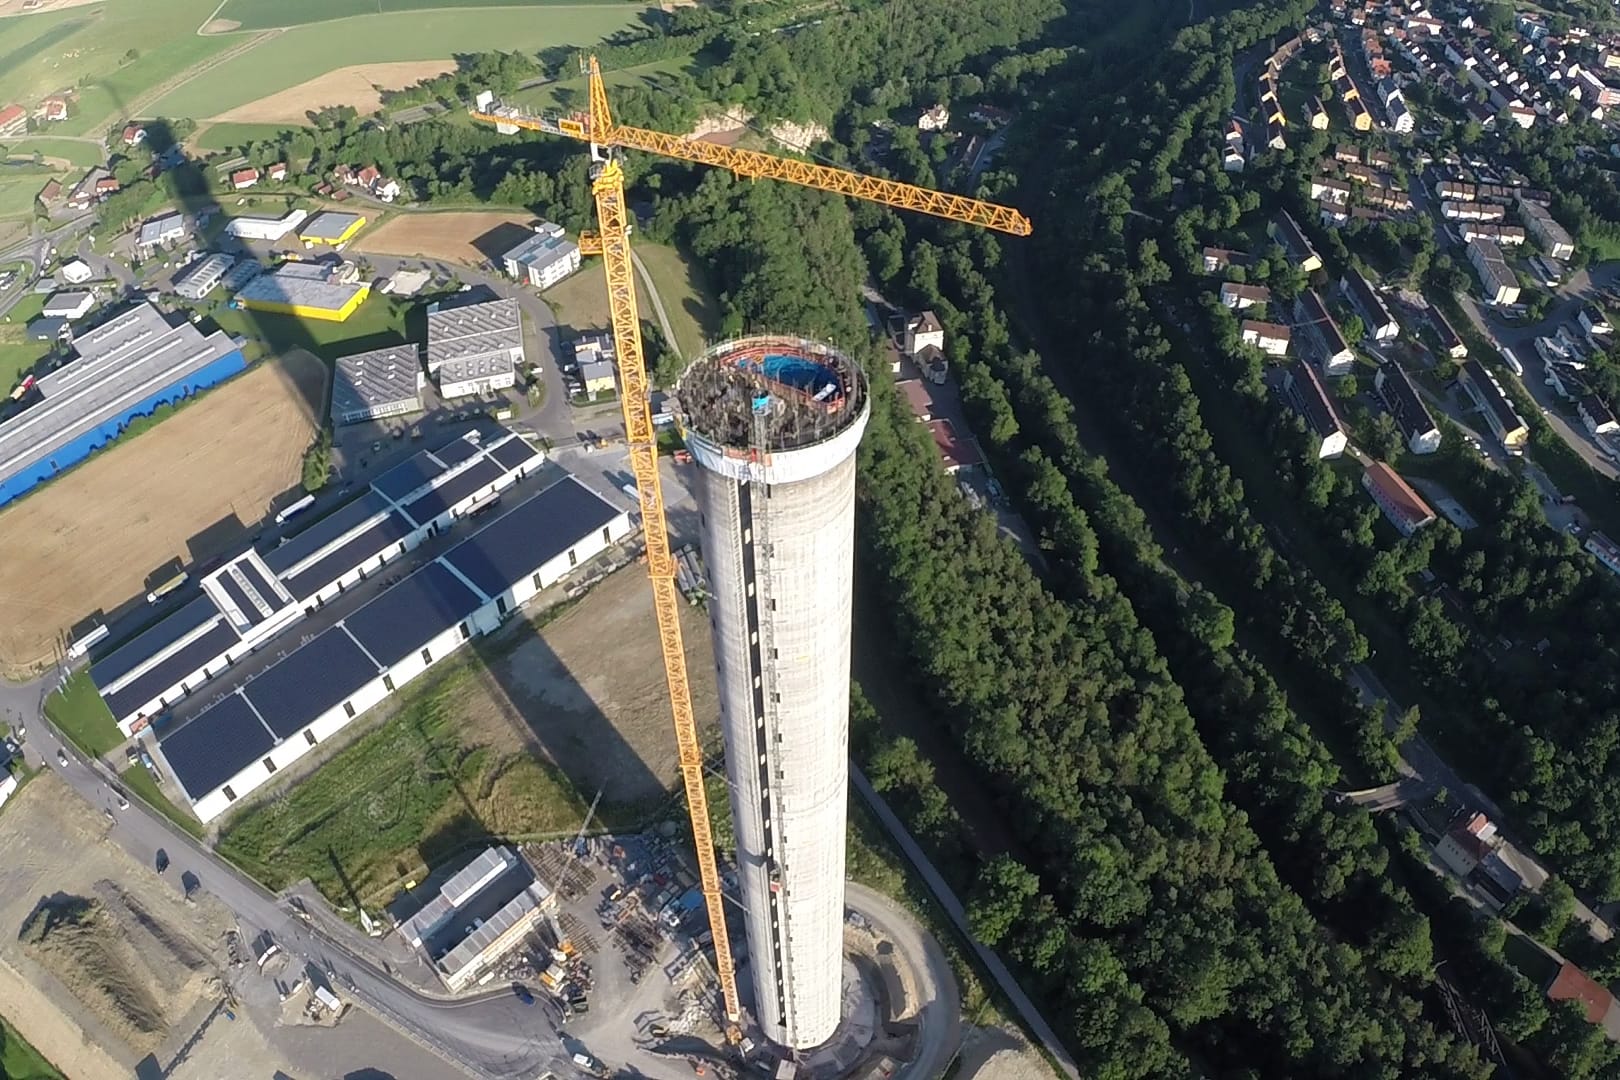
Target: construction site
pixel 772 423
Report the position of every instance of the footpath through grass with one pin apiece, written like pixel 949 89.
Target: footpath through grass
pixel 401 799
pixel 83 717
pixel 19 1061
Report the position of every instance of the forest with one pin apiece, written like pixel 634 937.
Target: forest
pixel 1138 900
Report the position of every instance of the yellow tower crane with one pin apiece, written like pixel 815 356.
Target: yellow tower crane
pixel 612 242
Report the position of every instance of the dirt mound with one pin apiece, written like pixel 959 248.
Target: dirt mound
pixel 220 26
pixel 76 939
pixel 173 958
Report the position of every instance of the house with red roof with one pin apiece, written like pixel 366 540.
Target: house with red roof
pixel 1573 984
pixel 13 121
pixel 242 179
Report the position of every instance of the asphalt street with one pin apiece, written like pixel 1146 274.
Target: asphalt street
pixel 494 1035
pixel 940 1018
pixel 32 253
pixel 542 342
pixel 948 900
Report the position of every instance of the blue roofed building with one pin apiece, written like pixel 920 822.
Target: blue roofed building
pixel 126 367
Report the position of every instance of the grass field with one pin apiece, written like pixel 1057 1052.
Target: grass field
pixel 580 301
pixel 81 155
pixel 19 184
pixel 379 321
pixel 82 716
pixel 190 488
pixel 305 52
pixel 400 799
pixel 138 779
pixel 228 136
pixel 19 1061
pixel 17 353
pixel 267 14
pixel 684 288
pixel 43 53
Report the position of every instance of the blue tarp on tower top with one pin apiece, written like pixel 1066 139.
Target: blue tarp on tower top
pixel 796 372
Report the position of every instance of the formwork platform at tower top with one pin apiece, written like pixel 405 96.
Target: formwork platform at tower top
pixel 757 397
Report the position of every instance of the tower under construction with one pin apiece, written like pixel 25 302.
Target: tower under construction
pixel 773 423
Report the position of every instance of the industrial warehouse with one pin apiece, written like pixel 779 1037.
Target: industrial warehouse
pixel 328 291
pixel 252 598
pixel 377 384
pixel 477 915
pixel 237 743
pixel 126 367
pixel 331 228
pixel 474 348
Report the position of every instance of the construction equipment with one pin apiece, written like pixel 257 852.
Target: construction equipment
pixel 611 240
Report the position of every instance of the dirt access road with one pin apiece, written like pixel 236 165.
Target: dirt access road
pixel 191 488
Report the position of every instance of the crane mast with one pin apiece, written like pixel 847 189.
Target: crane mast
pixel 611 240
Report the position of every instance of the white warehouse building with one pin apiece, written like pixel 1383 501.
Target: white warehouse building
pixel 235 745
pixel 475 348
pixel 261 228
pixel 250 601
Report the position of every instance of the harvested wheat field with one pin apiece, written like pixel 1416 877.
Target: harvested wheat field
pixel 357 86
pixel 463 237
pixel 588 691
pixel 113 958
pixel 191 488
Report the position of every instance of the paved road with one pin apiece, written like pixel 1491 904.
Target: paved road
pixel 492 1036
pixel 953 908
pixel 32 252
pixel 940 1018
pixel 1431 769
pixel 1576 292
pixel 1406 790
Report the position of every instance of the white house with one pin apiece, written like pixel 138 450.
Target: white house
pixel 937 118
pixel 1271 338
pixel 76 272
pixel 69 305
pixel 1239 296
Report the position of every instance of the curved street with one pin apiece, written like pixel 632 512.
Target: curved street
pixel 490 1036
pixel 940 1018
